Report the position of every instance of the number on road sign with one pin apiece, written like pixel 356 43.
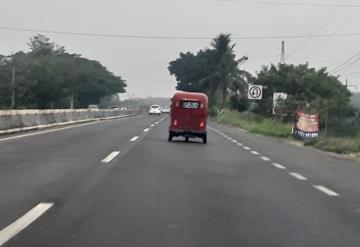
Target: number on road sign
pixel 255 92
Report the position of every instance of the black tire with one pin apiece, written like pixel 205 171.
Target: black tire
pixel 205 139
pixel 187 139
pixel 170 137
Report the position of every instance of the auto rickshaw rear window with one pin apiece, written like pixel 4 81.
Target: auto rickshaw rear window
pixel 189 104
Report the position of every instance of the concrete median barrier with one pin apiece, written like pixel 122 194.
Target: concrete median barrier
pixel 13 121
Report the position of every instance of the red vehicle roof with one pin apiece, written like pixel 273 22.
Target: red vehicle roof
pixel 190 96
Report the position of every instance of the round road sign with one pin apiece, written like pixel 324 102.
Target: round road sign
pixel 255 92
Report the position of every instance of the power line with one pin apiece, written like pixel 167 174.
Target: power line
pixel 125 36
pixel 349 61
pixel 319 27
pixel 290 4
pixel 334 33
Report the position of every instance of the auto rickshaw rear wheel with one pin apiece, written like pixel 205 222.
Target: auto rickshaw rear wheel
pixel 204 138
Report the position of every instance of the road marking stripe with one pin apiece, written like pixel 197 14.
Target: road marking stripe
pixel 146 130
pixel 134 138
pixel 298 176
pixel 24 221
pixel 326 190
pixel 234 141
pixel 110 157
pixel 46 131
pixel 264 158
pixel 255 153
pixel 247 148
pixel 277 165
pixel 152 125
pixel 240 144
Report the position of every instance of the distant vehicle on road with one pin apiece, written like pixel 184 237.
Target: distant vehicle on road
pixel 93 107
pixel 166 109
pixel 189 113
pixel 155 110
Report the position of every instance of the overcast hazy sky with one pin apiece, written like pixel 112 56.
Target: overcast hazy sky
pixel 143 62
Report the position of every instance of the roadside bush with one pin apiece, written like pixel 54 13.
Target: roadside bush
pixel 337 145
pixel 256 124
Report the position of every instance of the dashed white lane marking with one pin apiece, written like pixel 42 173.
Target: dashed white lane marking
pixel 255 153
pixel 234 141
pixel 326 190
pixel 110 157
pixel 298 176
pixel 152 125
pixel 264 158
pixel 247 148
pixel 20 224
pixel 134 138
pixel 146 130
pixel 240 144
pixel 277 165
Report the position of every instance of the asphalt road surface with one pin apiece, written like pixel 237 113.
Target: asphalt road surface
pixel 121 183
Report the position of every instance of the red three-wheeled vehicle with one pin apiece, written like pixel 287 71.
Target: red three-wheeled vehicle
pixel 189 113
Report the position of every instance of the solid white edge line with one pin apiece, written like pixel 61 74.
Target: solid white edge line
pixel 110 157
pixel 326 190
pixel 277 165
pixel 46 131
pixel 255 153
pixel 298 176
pixel 264 158
pixel 134 138
pixel 146 130
pixel 24 221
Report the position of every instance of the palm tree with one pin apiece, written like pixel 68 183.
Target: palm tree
pixel 226 76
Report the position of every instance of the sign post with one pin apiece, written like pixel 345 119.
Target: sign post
pixel 255 92
pixel 276 96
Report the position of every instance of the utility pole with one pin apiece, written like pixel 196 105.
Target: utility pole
pixel 13 89
pixel 282 58
pixel 347 85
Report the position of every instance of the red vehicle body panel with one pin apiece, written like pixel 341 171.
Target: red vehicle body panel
pixel 189 113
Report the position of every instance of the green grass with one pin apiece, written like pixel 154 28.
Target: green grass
pixel 255 124
pixel 270 127
pixel 336 144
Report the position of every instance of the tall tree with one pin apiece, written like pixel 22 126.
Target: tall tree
pixel 214 71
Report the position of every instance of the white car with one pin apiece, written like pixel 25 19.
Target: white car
pixel 166 110
pixel 155 110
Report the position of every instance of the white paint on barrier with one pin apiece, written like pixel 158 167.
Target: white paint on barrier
pixel 20 224
pixel 110 157
pixel 326 190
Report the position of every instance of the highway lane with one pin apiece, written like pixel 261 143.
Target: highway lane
pixel 50 166
pixel 238 190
